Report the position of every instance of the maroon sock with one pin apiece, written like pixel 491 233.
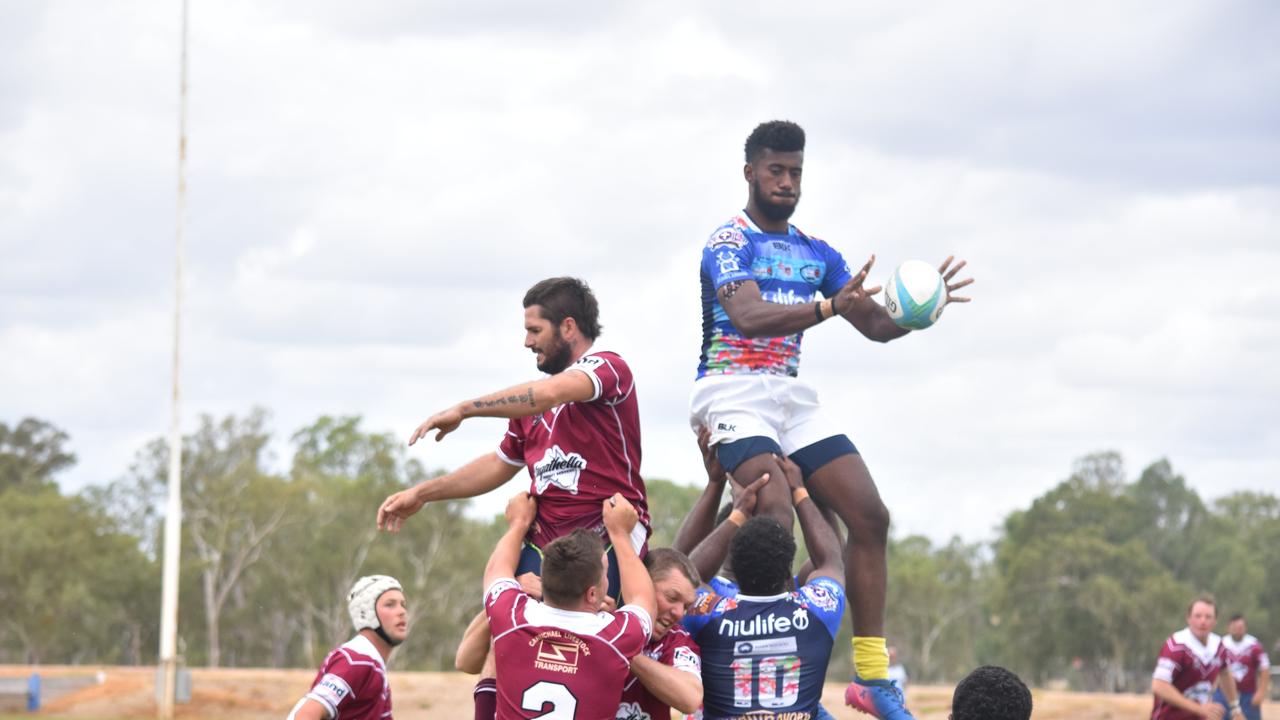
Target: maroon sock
pixel 486 698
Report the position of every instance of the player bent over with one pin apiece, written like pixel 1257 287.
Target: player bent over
pixel 352 682
pixel 761 277
pixel 562 657
pixel 577 432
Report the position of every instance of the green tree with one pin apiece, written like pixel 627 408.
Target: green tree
pixel 31 453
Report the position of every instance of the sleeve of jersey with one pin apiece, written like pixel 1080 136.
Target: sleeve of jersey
pixel 1264 662
pixel 685 655
pixel 837 271
pixel 825 597
pixel 727 257
pixel 334 689
pixel 511 449
pixel 1167 665
pixel 500 602
pixel 700 613
pixel 630 629
pixel 609 374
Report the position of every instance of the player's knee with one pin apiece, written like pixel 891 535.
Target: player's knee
pixel 871 522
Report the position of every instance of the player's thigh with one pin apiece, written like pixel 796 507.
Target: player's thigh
pixel 843 483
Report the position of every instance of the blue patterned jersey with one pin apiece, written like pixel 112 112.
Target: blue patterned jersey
pixel 766 657
pixel 790 269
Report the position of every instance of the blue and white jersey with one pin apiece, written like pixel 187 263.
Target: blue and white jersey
pixel 790 269
pixel 767 656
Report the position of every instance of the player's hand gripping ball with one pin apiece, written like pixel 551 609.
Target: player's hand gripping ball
pixel 915 294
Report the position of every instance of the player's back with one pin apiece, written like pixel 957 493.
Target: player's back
pixel 767 656
pixel 559 664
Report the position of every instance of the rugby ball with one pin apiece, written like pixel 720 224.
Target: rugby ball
pixel 914 295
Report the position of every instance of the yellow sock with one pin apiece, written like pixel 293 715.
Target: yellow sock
pixel 870 658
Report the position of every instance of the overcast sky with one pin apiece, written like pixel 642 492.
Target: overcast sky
pixel 372 187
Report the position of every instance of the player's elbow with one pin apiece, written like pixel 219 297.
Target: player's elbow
pixel 689 700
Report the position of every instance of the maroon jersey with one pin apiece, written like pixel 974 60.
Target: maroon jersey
pixel 579 454
pixel 1246 659
pixel 676 649
pixel 352 683
pixel 558 664
pixel 1190 666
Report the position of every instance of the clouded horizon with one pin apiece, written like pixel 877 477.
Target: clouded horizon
pixel 372 188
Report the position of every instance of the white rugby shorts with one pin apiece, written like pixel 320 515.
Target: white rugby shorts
pixel 779 407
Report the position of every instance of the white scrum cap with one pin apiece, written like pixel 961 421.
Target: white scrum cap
pixel 363 598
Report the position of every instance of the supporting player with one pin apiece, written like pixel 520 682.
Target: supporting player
pixel 1250 668
pixel 577 432
pixel 991 693
pixel 765 651
pixel 1190 663
pixel 352 682
pixel 668 673
pixel 560 657
pixel 760 282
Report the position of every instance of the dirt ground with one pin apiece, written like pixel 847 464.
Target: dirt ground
pixel 260 694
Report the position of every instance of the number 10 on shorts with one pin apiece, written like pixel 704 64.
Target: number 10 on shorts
pixel 774 679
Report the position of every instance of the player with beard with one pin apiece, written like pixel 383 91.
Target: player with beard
pixel 577 432
pixel 761 277
pixel 352 682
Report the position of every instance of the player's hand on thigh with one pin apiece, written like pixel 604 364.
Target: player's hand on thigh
pixel 1213 711
pixel 531 584
pixel 795 477
pixel 746 499
pixel 397 508
pixel 710 460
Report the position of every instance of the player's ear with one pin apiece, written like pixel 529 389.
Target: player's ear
pixel 748 173
pixel 569 329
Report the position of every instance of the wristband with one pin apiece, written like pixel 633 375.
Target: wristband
pixel 799 495
pixel 737 517
pixel 817 311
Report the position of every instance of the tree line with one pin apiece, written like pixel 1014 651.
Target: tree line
pixel 1083 585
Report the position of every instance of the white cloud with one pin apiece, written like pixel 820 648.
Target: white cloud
pixel 372 189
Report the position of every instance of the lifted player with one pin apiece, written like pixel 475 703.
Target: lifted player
pixel 577 432
pixel 761 277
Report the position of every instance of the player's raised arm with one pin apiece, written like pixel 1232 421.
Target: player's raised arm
pixel 819 537
pixel 531 398
pixel 701 518
pixel 620 518
pixel 709 555
pixel 506 554
pixel 485 473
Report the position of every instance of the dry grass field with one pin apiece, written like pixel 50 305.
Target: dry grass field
pixel 128 693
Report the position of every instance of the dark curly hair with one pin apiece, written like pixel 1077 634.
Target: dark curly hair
pixel 563 297
pixel 991 693
pixel 761 554
pixel 776 135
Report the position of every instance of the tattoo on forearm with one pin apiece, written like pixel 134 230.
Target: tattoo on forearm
pixel 526 397
pixel 730 288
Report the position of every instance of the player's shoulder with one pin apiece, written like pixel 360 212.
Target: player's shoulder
pixel 731 234
pixel 711 603
pixel 599 358
pixel 356 661
pixel 823 593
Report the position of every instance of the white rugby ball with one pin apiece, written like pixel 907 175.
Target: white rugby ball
pixel 915 294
